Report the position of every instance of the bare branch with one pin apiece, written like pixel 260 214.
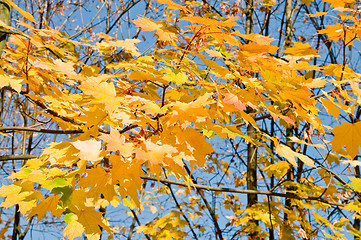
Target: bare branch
pixel 17 157
pixel 242 191
pixel 32 129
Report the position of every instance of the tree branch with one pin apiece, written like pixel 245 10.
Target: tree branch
pixel 242 191
pixel 17 157
pixel 32 129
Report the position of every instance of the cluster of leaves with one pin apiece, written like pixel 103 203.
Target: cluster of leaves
pixel 153 115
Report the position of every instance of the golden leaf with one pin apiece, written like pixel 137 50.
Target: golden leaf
pixel 348 135
pixel 22 12
pixel 147 24
pixel 290 155
pixel 89 149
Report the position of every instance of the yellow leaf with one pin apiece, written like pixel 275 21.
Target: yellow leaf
pixel 166 36
pixel 291 155
pixel 213 53
pixel 74 228
pixel 78 199
pixel 49 204
pixel 348 135
pixel 211 22
pixel 301 50
pixel 314 83
pixel 353 163
pixel 128 45
pixel 116 142
pixel 147 24
pixel 155 153
pixel 262 40
pixel 178 78
pixel 232 99
pixel 2 232
pixel 89 149
pixel 331 108
pixel 306 2
pixel 92 221
pixel 153 108
pixel 99 182
pixel 308 161
pixel 9 190
pixel 153 209
pixel 172 5
pixel 14 83
pixel 22 12
pixel 98 88
pixel 195 142
pixel 318 14
pixel 14 199
pixel 66 68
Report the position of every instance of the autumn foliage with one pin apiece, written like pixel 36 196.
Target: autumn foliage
pixel 154 115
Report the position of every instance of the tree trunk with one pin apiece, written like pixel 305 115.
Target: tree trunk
pixel 4 16
pixel 251 131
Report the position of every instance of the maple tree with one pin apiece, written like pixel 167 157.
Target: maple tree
pixel 174 135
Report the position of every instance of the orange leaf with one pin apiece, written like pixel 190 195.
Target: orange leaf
pixel 92 221
pixel 116 142
pixel 348 135
pixel 230 98
pixel 147 24
pixel 172 5
pixel 211 22
pixel 166 36
pixel 155 153
pixel 331 108
pixel 49 204
pixel 22 12
pixel 291 155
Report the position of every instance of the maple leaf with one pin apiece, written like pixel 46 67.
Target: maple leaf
pixel 65 67
pixel 232 99
pixel 74 228
pixel 77 200
pixel 147 24
pixel 262 40
pixel 98 88
pixel 213 53
pixel 355 184
pixel 166 36
pixel 128 45
pixel 89 150
pixel 49 204
pixel 211 22
pixel 100 183
pixel 16 194
pixel 301 50
pixel 290 155
pixel 348 135
pixel 12 81
pixel 178 78
pixel 172 5
pixel 22 12
pixel 117 142
pixel 154 152
pixel 9 190
pixel 92 221
pixel 331 108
